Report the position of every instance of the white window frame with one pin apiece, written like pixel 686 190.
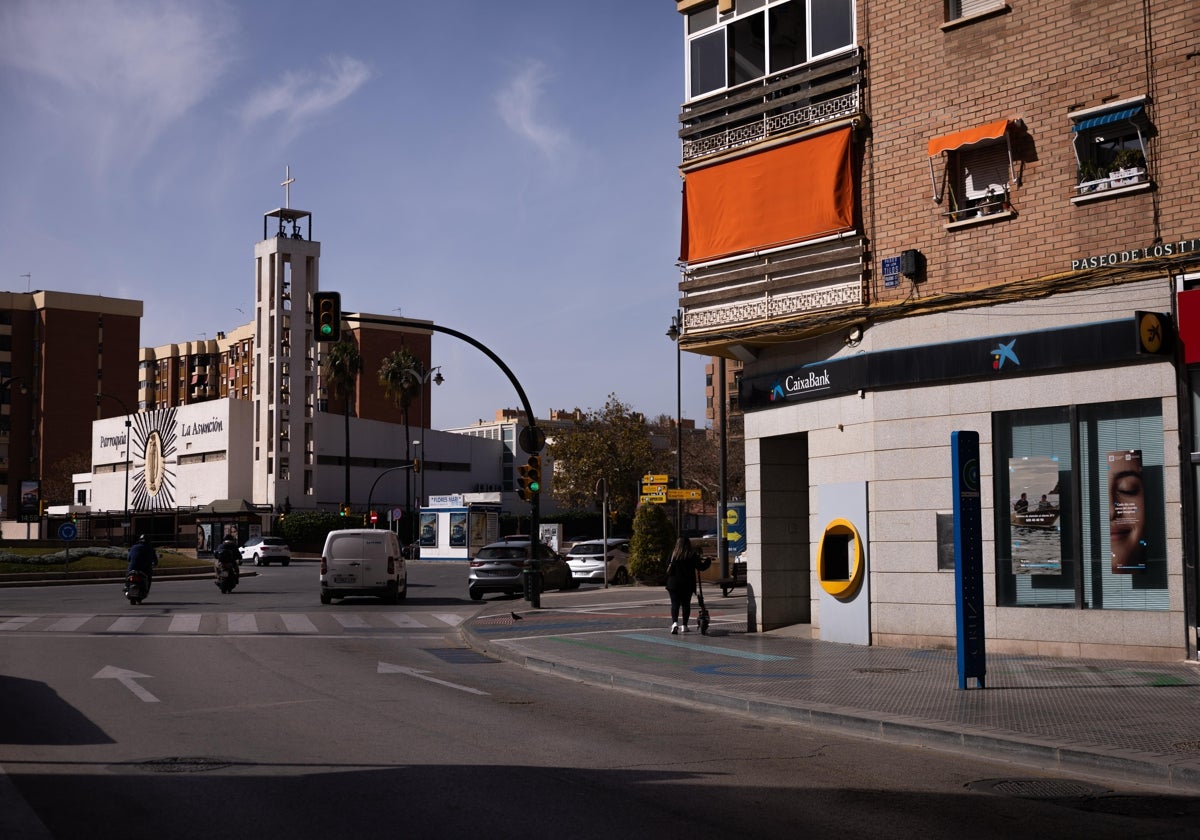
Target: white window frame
pixel 1089 189
pixel 965 10
pixel 725 19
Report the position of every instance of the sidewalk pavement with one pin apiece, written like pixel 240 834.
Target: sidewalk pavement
pixel 1120 721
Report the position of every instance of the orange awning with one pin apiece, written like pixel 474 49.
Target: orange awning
pixel 967 137
pixel 775 197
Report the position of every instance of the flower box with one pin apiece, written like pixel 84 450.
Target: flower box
pixel 1085 187
pixel 1125 177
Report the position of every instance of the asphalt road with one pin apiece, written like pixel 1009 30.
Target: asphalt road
pixel 265 714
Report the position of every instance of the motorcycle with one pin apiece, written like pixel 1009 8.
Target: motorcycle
pixel 137 585
pixel 227 576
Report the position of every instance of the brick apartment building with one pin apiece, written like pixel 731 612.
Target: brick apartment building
pixel 908 221
pixel 57 352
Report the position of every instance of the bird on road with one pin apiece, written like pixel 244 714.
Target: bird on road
pixel 517 617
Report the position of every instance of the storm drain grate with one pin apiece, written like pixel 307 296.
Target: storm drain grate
pixel 1039 788
pixel 1186 746
pixel 184 764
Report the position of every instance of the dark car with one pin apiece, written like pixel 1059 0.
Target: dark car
pixel 499 567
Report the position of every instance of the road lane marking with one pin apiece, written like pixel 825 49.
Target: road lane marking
pixel 71 622
pixel 126 624
pixel 184 623
pixel 350 621
pixel 297 623
pixel 386 668
pixel 449 618
pixel 18 622
pixel 126 678
pixel 242 623
pixel 404 620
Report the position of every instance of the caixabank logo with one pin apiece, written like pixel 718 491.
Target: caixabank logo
pixel 803 384
pixel 1004 353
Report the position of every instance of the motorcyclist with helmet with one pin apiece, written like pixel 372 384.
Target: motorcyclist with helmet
pixel 228 557
pixel 143 558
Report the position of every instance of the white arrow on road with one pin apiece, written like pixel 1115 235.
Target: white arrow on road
pixel 126 678
pixel 387 668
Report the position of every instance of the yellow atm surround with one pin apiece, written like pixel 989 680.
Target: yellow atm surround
pixel 840 564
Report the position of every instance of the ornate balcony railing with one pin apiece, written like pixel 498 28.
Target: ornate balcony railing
pixel 808 96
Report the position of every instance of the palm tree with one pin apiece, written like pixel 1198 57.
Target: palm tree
pixel 340 367
pixel 403 376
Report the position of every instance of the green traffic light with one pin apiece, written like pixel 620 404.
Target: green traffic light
pixel 326 329
pixel 534 487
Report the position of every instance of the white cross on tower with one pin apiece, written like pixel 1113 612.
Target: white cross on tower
pixel 287 182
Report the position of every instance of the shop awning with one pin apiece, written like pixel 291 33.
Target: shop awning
pixel 968 137
pixel 1110 117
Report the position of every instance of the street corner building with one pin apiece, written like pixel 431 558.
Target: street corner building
pixel 900 231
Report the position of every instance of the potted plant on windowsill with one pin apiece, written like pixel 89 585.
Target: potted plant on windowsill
pixel 1092 178
pixel 1127 167
pixel 992 202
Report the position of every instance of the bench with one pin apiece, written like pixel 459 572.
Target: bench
pixel 737 572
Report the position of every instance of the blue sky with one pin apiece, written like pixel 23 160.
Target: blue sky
pixel 508 170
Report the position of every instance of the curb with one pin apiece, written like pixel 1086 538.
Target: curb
pixel 1105 764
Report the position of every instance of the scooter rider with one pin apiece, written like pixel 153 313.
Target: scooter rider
pixel 143 558
pixel 227 555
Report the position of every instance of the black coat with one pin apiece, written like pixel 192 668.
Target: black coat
pixel 681 575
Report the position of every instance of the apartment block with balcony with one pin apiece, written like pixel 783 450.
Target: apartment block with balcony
pixel 972 218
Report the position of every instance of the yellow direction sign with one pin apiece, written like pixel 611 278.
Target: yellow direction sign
pixel 655 499
pixel 654 479
pixel 686 494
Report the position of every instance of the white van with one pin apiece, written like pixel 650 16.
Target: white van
pixel 363 561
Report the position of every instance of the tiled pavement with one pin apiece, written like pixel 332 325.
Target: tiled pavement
pixel 1109 719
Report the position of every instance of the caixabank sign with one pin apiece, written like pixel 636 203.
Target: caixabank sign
pixel 1086 346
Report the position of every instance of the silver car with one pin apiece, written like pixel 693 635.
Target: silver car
pixel 587 561
pixel 265 550
pixel 499 567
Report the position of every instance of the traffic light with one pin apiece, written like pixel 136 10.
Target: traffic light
pixel 327 316
pixel 524 482
pixel 535 474
pixel 343 510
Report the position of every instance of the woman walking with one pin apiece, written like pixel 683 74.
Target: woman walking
pixel 681 582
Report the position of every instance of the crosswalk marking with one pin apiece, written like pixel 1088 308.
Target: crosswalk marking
pixel 404 620
pixel 127 624
pixel 18 622
pixel 234 623
pixel 242 623
pixel 350 621
pixel 296 623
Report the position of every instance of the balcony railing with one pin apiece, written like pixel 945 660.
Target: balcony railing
pixel 807 96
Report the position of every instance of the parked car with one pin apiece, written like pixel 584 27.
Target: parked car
pixel 263 550
pixel 363 561
pixel 499 567
pixel 587 561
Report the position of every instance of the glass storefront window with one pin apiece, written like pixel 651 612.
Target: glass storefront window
pixel 1090 534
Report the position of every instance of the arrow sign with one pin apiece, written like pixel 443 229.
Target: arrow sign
pixel 733 536
pixel 654 479
pixel 654 499
pixel 683 494
pixel 386 668
pixel 126 678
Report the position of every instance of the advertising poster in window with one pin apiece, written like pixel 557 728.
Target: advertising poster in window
pixel 203 538
pixel 1034 519
pixel 1127 512
pixel 428 529
pixel 458 530
pixel 30 501
pixel 479 522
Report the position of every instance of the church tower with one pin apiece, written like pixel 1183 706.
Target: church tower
pixel 286 271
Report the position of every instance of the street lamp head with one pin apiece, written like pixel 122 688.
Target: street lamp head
pixel 673 332
pixel 439 379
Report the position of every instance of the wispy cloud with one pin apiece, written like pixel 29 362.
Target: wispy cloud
pixel 520 103
pixel 116 73
pixel 299 97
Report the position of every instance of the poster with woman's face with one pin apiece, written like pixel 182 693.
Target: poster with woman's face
pixel 428 530
pixel 1127 511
